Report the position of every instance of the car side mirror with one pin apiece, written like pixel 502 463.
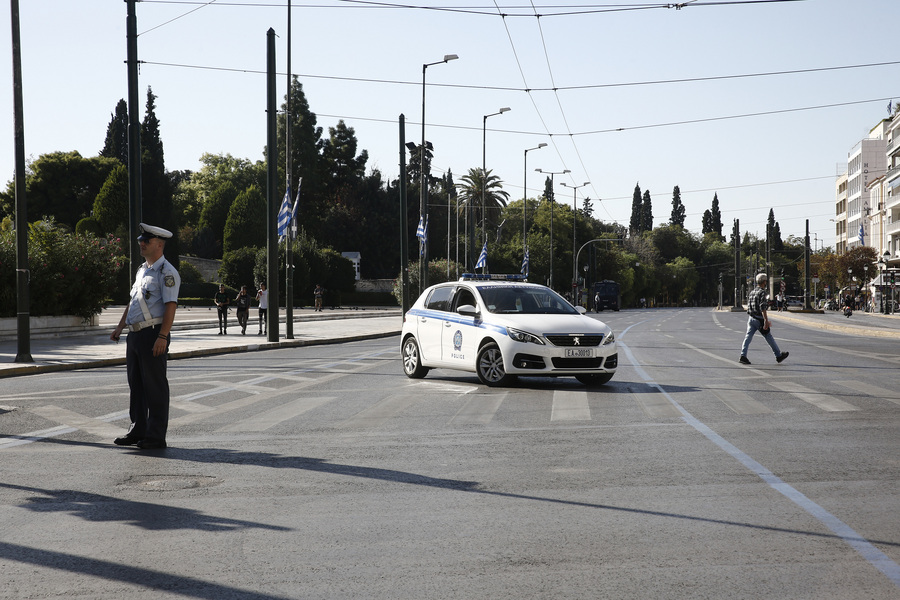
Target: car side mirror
pixel 581 310
pixel 467 310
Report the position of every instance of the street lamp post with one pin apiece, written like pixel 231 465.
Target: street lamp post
pixel 423 189
pixel 552 202
pixel 484 176
pixel 574 220
pixel 525 199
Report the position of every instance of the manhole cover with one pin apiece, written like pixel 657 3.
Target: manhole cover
pixel 168 483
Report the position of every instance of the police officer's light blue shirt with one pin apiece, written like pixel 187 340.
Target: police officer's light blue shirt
pixel 158 284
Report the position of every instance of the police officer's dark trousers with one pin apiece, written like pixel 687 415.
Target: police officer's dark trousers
pixel 149 407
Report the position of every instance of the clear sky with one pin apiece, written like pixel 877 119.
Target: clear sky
pixel 593 79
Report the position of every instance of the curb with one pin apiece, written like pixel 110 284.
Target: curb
pixel 108 362
pixel 850 330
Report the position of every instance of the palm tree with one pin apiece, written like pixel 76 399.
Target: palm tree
pixel 470 194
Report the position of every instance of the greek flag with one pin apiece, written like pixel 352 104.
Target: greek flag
pixel 862 235
pixel 482 260
pixel 284 213
pixel 422 230
pixel 296 205
pixel 524 269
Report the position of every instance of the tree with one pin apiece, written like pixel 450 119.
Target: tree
pixel 715 224
pixel 308 177
pixel 678 210
pixel 587 208
pixel 636 208
pixel 245 226
pixel 156 191
pixel 116 144
pixel 111 203
pixel 215 213
pixel 774 233
pixel 470 194
pixel 62 186
pixel 646 212
pixel 706 223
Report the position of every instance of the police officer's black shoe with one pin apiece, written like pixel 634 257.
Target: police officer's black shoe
pixel 127 440
pixel 151 444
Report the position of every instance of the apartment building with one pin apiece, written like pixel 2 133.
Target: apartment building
pixel 866 163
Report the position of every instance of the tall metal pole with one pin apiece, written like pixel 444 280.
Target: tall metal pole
pixel 288 250
pixel 738 305
pixel 525 198
pixel 552 200
pixel 423 186
pixel 135 207
pixel 271 188
pixel 484 172
pixel 23 306
pixel 404 225
pixel 574 221
pixel 806 274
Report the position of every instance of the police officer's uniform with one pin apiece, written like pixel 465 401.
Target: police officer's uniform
pixel 153 287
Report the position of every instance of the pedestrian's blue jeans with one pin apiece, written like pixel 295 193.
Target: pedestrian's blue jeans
pixel 754 325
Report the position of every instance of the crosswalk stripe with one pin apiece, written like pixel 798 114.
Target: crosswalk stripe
pixel 70 418
pixel 654 404
pixel 381 412
pixel 270 418
pixel 872 390
pixel 570 406
pixel 479 410
pixel 741 402
pixel 820 400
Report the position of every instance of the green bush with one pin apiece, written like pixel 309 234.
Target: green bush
pixel 70 274
pixel 437 273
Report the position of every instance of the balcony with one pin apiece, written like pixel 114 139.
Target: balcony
pixel 892 228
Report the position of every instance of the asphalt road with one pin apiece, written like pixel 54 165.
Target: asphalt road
pixel 322 472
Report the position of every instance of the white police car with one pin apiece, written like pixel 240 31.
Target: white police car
pixel 499 326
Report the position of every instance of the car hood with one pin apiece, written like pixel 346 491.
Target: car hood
pixel 544 324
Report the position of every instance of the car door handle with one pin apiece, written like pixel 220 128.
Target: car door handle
pixel 447 323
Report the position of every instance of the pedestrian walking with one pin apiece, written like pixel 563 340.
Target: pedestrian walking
pixel 242 302
pixel 149 317
pixel 262 296
pixel 758 320
pixel 222 301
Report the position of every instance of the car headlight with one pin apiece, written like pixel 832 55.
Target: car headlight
pixel 609 339
pixel 524 336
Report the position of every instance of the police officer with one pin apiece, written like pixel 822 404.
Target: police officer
pixel 149 317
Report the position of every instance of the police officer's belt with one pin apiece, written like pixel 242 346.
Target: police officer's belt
pixel 144 324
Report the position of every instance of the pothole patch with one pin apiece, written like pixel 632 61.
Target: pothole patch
pixel 170 483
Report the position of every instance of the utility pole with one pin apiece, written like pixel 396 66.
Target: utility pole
pixel 404 231
pixel 271 196
pixel 135 206
pixel 289 238
pixel 23 300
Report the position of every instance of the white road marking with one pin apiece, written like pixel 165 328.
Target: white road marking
pixel 740 402
pixel 380 412
pixel 820 400
pixel 270 418
pixel 74 420
pixel 872 390
pixel 479 410
pixel 570 406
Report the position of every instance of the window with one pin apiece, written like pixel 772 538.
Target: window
pixel 440 299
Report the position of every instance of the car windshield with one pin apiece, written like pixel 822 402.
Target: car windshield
pixel 524 300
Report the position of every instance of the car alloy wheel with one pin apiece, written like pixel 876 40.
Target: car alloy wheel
pixel 489 366
pixel 412 364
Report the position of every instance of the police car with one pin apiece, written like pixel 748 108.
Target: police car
pixel 500 326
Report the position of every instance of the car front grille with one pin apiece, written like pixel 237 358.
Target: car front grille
pixel 561 339
pixel 577 363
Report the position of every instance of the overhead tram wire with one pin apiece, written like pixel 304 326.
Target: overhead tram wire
pixel 564 10
pixel 203 5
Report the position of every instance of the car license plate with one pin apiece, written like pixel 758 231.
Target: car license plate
pixel 579 353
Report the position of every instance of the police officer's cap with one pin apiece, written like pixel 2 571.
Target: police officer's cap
pixel 148 232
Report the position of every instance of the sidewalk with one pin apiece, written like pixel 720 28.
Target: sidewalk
pixel 863 324
pixel 196 333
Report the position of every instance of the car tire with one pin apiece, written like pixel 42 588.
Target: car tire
pixel 489 366
pixel 412 359
pixel 592 380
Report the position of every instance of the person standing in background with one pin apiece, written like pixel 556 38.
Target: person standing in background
pixel 222 302
pixel 262 296
pixel 242 301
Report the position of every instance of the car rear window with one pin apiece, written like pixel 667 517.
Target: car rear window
pixel 440 299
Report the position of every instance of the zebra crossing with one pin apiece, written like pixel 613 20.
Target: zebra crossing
pixel 262 404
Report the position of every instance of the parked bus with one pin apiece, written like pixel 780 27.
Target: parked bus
pixel 606 294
